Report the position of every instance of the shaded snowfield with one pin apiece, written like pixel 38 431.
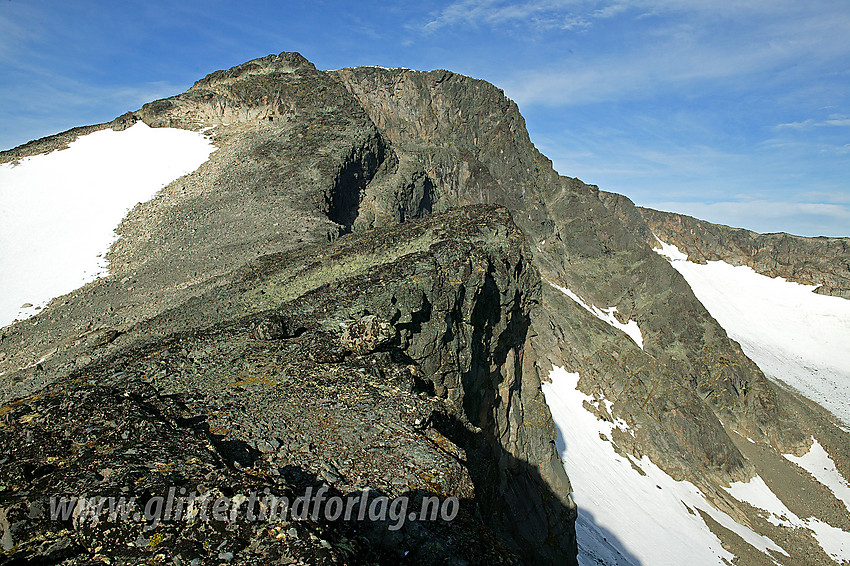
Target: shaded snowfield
pixel 58 211
pixel 626 518
pixel 790 332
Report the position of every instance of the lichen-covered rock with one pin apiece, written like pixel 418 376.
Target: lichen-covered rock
pixel 274 327
pixel 367 334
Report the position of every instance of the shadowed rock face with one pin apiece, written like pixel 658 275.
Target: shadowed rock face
pixel 354 290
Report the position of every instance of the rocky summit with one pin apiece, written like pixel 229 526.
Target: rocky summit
pixel 362 292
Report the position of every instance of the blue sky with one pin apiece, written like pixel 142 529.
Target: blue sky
pixel 736 112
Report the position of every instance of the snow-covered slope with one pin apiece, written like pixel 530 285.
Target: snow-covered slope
pixel 835 542
pixel 626 518
pixel 58 211
pixel 792 333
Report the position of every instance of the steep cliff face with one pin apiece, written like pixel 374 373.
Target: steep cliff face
pixel 472 142
pixel 325 305
pixel 688 392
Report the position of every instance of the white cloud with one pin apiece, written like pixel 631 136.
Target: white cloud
pixel 538 15
pixel 801 125
pixel 834 120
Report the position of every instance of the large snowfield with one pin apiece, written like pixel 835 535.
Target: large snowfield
pixel 58 211
pixel 793 334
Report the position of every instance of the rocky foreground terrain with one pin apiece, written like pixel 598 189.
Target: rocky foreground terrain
pixel 356 291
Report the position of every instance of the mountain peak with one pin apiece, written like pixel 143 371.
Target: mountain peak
pixel 285 62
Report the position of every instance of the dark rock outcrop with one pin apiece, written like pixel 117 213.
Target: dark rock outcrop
pixel 471 140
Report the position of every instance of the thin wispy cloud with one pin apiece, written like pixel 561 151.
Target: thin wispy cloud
pixel 62 102
pixel 552 13
pixel 835 120
pixel 823 196
pixel 17 29
pixel 682 56
pixel 641 47
pixel 541 15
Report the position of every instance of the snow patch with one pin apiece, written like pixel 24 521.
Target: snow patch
pixel 670 251
pixel 758 494
pixel 834 541
pixel 32 365
pixel 625 518
pixel 793 334
pixel 818 463
pixel 606 315
pixel 388 68
pixel 58 211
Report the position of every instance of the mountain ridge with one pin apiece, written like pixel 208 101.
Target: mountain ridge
pixel 819 261
pixel 312 160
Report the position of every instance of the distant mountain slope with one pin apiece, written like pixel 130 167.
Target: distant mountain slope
pixel 793 334
pixel 822 261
